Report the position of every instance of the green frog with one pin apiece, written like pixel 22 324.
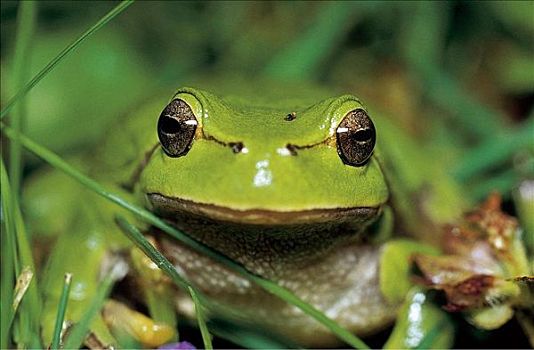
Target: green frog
pixel 298 184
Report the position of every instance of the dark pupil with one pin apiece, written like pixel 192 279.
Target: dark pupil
pixel 170 126
pixel 362 135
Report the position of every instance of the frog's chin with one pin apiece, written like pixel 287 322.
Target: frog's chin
pixel 172 208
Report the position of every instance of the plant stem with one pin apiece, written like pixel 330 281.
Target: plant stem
pixel 268 285
pixel 21 62
pixel 62 308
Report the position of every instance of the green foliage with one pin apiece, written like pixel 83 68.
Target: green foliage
pixel 18 255
pixel 412 59
pixel 62 308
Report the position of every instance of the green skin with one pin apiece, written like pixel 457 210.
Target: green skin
pixel 304 218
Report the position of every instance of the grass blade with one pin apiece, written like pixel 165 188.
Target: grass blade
pixel 494 150
pixel 269 286
pixel 206 337
pixel 103 21
pixel 62 308
pixel 25 28
pixel 432 338
pixel 142 243
pixel 423 42
pixel 247 337
pixel 198 299
pixel 23 282
pixel 303 57
pixel 9 260
pixel 79 331
pixel 30 309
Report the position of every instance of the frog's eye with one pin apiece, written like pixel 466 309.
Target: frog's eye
pixel 176 128
pixel 356 138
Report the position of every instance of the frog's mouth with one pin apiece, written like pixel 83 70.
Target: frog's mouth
pixel 174 208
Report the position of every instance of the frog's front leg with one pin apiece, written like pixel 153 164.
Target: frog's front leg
pixel 56 207
pixel 80 252
pixel 85 252
pixel 157 293
pixel 87 237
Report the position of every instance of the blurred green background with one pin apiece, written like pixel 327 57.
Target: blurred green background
pixel 460 74
pixel 470 62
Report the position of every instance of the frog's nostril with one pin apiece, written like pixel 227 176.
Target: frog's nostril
pixel 291 116
pixel 237 147
pixel 292 149
pixel 288 150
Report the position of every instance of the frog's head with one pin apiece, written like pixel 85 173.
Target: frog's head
pixel 272 162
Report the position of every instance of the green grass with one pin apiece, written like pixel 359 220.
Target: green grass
pixel 26 22
pixel 312 48
pixel 18 255
pixel 16 248
pixel 199 311
pixel 314 45
pixel 495 150
pixel 148 249
pixel 147 216
pixel 62 308
pixel 60 56
pixel 79 331
pixel 13 233
pixel 424 36
pixel 139 240
pixel 9 262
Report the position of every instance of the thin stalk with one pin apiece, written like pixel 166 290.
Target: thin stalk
pixel 142 243
pixel 428 342
pixel 495 150
pixel 423 37
pixel 25 29
pixel 21 287
pixel 269 286
pixel 30 310
pixel 60 56
pixel 206 337
pixel 167 267
pixel 62 308
pixel 302 58
pixel 79 331
pixel 8 260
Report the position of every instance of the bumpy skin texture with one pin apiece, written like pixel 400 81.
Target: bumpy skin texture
pixel 326 264
pixel 344 285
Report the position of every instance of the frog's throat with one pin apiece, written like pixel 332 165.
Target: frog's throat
pixel 171 207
